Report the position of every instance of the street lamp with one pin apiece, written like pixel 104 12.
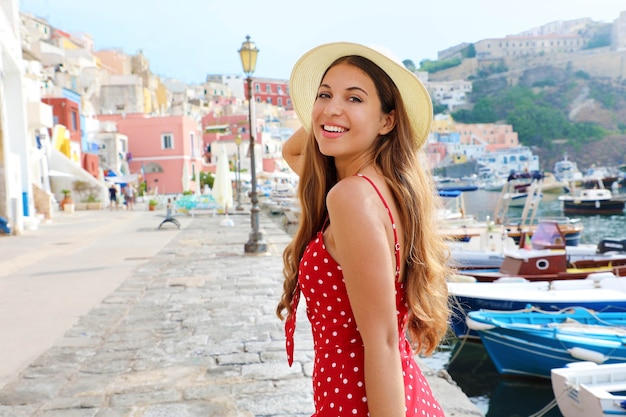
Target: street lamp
pixel 256 242
pixel 238 168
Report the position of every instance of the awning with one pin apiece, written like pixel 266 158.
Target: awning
pixel 216 128
pixel 122 179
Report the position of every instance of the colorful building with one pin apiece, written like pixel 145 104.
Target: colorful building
pixel 270 91
pixel 165 151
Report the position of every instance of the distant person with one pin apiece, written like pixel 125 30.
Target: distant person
pixel 129 196
pixel 367 256
pixel 169 215
pixel 113 201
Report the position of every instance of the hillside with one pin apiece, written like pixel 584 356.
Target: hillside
pixel 610 151
pixel 556 111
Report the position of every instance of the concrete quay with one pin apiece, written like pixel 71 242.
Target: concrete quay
pixel 104 315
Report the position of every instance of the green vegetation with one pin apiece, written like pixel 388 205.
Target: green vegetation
pixel 434 66
pixel 538 115
pixel 492 69
pixel 470 51
pixel 206 178
pixel 439 108
pixel 410 65
pixel 605 93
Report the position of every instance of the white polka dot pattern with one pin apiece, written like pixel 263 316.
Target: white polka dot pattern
pixel 338 378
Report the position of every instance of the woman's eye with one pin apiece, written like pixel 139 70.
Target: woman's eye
pixel 355 99
pixel 323 95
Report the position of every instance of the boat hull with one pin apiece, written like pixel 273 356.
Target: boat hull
pixel 578 207
pixel 467 297
pixel 532 343
pixel 585 389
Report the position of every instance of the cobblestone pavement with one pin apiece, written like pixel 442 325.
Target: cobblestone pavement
pixel 191 332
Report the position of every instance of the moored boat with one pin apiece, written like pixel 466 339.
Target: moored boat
pixel 544 258
pixel 599 292
pixel 584 389
pixel 532 342
pixel 567 171
pixel 592 201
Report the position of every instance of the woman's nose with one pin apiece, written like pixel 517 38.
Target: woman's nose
pixel 332 107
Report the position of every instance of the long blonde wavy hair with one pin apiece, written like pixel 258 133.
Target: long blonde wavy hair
pixel 404 166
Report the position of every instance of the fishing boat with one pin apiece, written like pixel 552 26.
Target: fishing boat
pixel 608 176
pixel 544 258
pixel 592 201
pixel 532 342
pixel 584 389
pixel 567 171
pixel 488 250
pixel 600 292
pixel 458 226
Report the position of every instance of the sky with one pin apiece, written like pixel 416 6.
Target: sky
pixel 188 39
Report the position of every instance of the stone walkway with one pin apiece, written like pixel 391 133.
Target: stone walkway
pixel 190 332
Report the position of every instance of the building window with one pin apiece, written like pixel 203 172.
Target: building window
pixel 257 88
pixel 192 143
pixel 280 101
pixel 74 121
pixel 167 141
pixel 279 90
pixel 268 88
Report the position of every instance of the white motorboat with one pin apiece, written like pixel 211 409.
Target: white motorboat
pixel 586 389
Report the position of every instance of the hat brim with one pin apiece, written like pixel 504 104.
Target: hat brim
pixel 307 73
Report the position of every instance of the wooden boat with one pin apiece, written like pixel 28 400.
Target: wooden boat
pixel 600 292
pixel 592 201
pixel 532 342
pixel 584 389
pixel 489 250
pixel 456 225
pixel 544 258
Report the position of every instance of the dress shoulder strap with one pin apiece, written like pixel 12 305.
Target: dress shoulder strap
pixel 393 224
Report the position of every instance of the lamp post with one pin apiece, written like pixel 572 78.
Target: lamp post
pixel 238 168
pixel 256 243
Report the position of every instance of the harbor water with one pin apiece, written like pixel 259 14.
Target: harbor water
pixel 469 364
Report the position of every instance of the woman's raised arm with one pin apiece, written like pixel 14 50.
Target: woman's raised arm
pixel 293 149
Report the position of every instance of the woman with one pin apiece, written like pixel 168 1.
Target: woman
pixel 367 256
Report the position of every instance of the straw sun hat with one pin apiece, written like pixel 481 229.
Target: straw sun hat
pixel 307 73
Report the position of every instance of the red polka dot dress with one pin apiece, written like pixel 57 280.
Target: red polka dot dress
pixel 338 377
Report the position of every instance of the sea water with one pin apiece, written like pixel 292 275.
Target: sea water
pixel 469 363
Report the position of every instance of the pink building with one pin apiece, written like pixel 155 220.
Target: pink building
pixel 165 151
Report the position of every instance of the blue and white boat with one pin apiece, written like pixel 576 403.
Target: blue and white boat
pixel 602 292
pixel 567 171
pixel 532 342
